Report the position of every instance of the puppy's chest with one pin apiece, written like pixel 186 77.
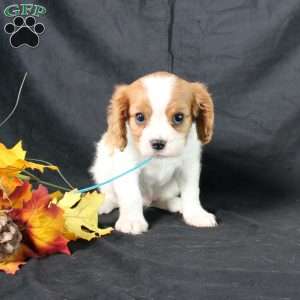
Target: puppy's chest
pixel 160 171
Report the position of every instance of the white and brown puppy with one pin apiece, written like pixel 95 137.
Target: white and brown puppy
pixel 165 117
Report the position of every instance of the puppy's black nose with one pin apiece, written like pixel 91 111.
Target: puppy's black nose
pixel 158 144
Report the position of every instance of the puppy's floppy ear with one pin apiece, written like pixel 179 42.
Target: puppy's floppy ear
pixel 203 112
pixel 117 115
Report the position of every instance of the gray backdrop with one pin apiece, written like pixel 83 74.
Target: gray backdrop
pixel 247 52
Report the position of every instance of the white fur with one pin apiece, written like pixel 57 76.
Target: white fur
pixel 170 181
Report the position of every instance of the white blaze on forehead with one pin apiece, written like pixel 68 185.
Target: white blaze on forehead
pixel 159 91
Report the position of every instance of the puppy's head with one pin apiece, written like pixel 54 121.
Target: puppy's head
pixel 159 110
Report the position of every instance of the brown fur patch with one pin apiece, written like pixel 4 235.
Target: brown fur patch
pixel 181 102
pixel 138 103
pixel 117 114
pixel 126 102
pixel 195 102
pixel 203 111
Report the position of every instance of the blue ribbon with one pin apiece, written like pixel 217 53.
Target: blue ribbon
pixel 98 185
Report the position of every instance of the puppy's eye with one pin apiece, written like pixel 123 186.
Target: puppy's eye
pixel 139 118
pixel 177 118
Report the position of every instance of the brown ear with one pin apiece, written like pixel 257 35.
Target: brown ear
pixel 117 115
pixel 203 112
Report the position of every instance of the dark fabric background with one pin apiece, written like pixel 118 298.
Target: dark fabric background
pixel 248 53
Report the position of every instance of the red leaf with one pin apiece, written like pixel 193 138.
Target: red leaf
pixel 43 223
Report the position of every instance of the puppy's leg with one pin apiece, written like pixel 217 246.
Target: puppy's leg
pixel 131 218
pixel 168 198
pixel 110 201
pixel 193 212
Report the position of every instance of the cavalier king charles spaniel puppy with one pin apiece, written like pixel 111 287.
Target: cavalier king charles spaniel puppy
pixel 169 119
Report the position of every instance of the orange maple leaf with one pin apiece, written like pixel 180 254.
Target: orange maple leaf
pixel 42 224
pixel 17 199
pixel 12 263
pixel 21 195
pixel 9 184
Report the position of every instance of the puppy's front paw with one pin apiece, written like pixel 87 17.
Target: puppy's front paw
pixel 131 226
pixel 200 218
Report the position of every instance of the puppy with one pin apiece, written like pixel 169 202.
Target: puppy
pixel 165 117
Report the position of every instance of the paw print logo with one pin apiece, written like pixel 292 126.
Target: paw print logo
pixel 24 31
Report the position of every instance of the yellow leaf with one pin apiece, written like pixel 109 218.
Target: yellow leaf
pixel 12 161
pixel 70 199
pixel 81 214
